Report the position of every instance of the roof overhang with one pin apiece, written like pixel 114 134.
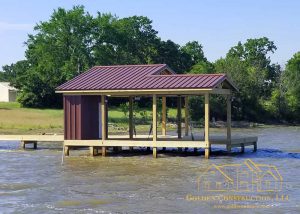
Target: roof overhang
pixel 149 92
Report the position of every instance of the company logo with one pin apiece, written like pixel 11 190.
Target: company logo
pixel 245 177
pixel 236 186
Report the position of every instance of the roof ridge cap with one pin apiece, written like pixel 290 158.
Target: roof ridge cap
pixel 130 65
pixel 186 75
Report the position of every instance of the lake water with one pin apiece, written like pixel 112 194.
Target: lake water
pixel 34 181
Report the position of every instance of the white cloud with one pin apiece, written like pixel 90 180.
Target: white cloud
pixel 5 26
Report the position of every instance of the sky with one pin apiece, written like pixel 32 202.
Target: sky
pixel 216 24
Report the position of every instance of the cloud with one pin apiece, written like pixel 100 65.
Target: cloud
pixel 5 26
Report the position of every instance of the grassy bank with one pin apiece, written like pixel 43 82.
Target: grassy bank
pixel 17 120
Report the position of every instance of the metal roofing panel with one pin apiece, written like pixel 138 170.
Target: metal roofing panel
pixel 137 77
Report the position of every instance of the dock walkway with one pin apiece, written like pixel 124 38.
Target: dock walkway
pixel 32 139
pixel 168 141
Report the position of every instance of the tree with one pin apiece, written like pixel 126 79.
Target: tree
pixel 194 58
pixel 195 51
pixel 129 40
pixel 203 67
pixel 60 49
pixel 250 67
pixel 72 41
pixel 14 73
pixel 169 53
pixel 291 79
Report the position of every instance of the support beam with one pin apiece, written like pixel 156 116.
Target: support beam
pixel 154 122
pixel 206 126
pixel 103 122
pixel 131 117
pixel 186 115
pixel 179 117
pixel 164 117
pixel 228 145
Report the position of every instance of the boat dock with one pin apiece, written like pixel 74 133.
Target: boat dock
pixel 86 98
pixel 120 141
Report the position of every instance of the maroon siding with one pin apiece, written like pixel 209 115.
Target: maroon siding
pixel 81 117
pixel 90 124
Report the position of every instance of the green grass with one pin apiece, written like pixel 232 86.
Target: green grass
pixel 118 122
pixel 17 120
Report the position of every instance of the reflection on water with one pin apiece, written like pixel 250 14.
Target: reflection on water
pixel 34 181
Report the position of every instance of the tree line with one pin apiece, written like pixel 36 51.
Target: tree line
pixel 72 41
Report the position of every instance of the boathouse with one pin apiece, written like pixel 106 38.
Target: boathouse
pixel 86 112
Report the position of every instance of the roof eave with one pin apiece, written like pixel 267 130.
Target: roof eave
pixel 124 92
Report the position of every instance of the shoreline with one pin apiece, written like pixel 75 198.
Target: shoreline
pixel 218 125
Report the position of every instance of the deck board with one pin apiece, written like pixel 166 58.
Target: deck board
pixel 39 138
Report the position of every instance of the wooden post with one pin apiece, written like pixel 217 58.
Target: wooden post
pixel 186 115
pixel 242 148
pixel 130 117
pixel 179 116
pixel 228 145
pixel 34 144
pixel 67 151
pixel 255 146
pixel 103 123
pixel 92 151
pixel 103 151
pixel 164 117
pixel 23 144
pixel 154 122
pixel 106 117
pixel 130 120
pixel 206 126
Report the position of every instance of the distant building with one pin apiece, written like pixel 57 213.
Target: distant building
pixel 7 92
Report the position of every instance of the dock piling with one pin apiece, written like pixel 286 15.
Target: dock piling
pixel 255 146
pixel 242 148
pixel 154 152
pixel 103 151
pixel 66 150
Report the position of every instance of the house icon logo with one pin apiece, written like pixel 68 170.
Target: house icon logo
pixel 245 177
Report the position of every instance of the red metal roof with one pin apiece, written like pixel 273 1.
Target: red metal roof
pixel 126 77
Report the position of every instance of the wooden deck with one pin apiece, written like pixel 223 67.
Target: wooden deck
pixel 32 139
pixel 161 141
pixel 168 141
